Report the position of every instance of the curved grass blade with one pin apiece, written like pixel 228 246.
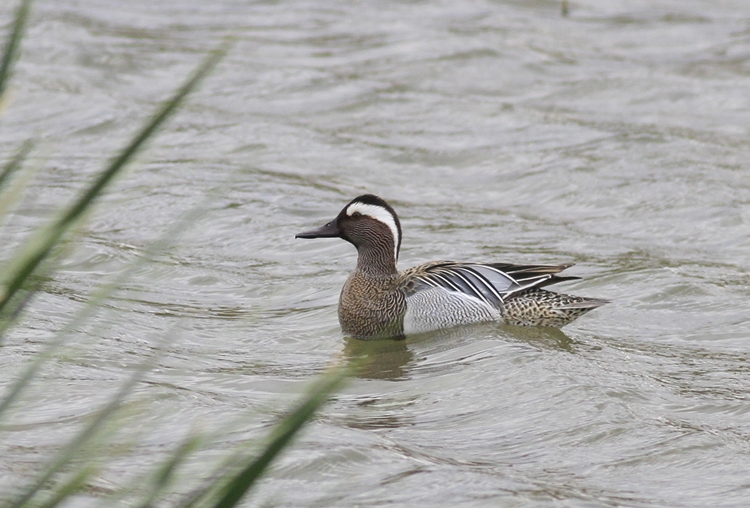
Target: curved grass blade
pixel 165 474
pixel 102 293
pixel 15 163
pixel 232 491
pixel 87 311
pixel 41 245
pixel 13 44
pixel 86 434
pixel 70 487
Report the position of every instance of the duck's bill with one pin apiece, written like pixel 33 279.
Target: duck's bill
pixel 330 230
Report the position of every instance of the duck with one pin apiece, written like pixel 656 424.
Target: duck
pixel 378 301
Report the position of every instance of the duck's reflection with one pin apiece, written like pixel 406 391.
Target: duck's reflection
pixel 544 337
pixel 379 359
pixel 394 359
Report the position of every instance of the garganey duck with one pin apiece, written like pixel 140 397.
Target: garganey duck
pixel 379 301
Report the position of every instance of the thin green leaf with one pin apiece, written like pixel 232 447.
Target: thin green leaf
pixel 165 474
pixel 15 163
pixel 215 482
pixel 13 44
pixel 44 244
pixel 87 311
pixel 70 487
pixel 14 187
pixel 41 246
pixel 282 435
pixel 102 293
pixel 68 451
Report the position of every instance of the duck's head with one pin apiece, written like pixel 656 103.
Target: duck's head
pixel 367 222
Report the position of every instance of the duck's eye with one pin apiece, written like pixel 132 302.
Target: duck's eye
pixel 356 214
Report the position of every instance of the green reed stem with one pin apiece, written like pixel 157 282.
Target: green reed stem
pixel 15 163
pixel 43 243
pixel 227 489
pixel 165 474
pixel 72 447
pixel 70 487
pixel 13 44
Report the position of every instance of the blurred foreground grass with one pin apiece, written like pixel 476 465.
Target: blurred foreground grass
pixel 74 464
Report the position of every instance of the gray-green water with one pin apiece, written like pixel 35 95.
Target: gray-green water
pixel 615 138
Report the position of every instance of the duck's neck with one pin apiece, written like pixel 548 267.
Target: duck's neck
pixel 377 260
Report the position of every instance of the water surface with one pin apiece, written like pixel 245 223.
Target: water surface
pixel 614 138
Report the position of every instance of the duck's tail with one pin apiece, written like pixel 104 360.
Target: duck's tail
pixel 537 307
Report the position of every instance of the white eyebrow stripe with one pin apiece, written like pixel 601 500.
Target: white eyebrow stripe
pixel 380 214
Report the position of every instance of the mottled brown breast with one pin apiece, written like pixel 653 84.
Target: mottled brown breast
pixel 371 307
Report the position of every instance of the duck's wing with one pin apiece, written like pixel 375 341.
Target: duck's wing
pixel 490 283
pixel 536 275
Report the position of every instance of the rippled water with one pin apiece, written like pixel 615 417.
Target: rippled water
pixel 615 138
